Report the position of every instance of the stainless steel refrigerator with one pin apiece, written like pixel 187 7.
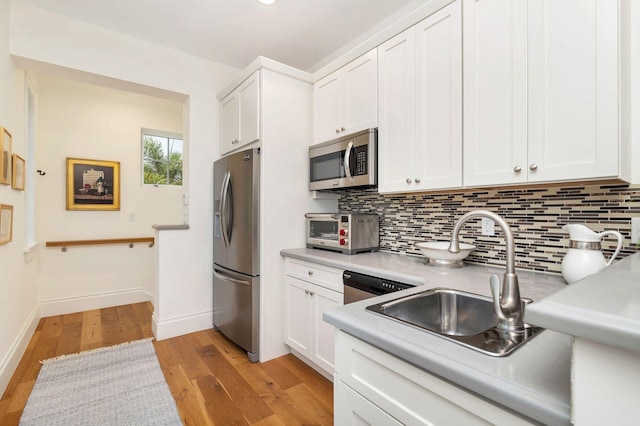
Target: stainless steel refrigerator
pixel 236 249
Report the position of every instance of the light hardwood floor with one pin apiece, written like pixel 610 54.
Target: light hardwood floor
pixel 211 379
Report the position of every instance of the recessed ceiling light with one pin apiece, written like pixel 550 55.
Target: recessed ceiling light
pixel 267 2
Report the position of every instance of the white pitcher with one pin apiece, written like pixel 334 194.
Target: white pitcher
pixel 585 252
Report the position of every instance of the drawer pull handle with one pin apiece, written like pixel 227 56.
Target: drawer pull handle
pixel 310 273
pixel 311 293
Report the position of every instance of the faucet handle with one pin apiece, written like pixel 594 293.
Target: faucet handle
pixel 494 283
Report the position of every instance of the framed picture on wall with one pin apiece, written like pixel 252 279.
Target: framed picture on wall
pixel 93 184
pixel 5 157
pixel 6 223
pixel 17 181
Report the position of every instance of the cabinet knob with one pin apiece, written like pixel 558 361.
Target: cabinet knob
pixel 306 292
pixel 311 293
pixel 235 141
pixel 310 273
pixel 534 166
pixel 517 169
pixel 417 180
pixel 337 130
pixel 342 129
pixel 408 180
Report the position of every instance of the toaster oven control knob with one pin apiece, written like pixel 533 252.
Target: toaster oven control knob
pixel 343 241
pixel 343 232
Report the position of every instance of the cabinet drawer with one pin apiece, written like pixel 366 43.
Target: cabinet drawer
pixel 351 408
pixel 323 276
pixel 409 394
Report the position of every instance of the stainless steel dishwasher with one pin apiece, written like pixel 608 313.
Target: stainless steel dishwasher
pixel 359 286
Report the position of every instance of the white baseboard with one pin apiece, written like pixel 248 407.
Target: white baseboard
pixel 10 362
pixel 94 301
pixel 177 326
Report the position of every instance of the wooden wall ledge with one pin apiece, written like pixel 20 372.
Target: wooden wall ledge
pixel 131 241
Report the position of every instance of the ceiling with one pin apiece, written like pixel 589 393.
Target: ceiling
pixel 300 33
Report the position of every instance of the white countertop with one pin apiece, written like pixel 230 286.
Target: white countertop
pixel 533 381
pixel 604 308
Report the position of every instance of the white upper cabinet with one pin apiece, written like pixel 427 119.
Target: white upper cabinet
pixel 541 91
pixel 495 92
pixel 420 108
pixel 346 101
pixel 573 89
pixel 241 115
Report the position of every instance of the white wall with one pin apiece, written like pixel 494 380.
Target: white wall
pixel 49 43
pixel 83 120
pixel 18 304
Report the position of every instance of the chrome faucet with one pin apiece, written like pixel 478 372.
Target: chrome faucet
pixel 507 304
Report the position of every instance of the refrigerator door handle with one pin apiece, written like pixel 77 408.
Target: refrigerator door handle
pixel 225 277
pixel 223 209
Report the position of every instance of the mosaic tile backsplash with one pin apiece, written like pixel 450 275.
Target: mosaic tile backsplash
pixel 535 215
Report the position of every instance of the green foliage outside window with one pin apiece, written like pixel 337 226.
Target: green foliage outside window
pixel 162 160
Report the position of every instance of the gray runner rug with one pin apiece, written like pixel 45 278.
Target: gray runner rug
pixel 119 385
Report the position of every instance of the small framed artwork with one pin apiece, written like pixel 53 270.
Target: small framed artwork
pixel 93 184
pixel 6 223
pixel 17 181
pixel 5 157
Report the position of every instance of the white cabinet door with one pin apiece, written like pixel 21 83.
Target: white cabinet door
pixel 438 153
pixel 326 107
pixel 324 333
pixel 541 91
pixel 495 92
pixel 241 115
pixel 420 108
pixel 249 100
pixel 230 122
pixel 396 130
pixel 346 101
pixel 573 89
pixel 360 92
pixel 305 330
pixel 298 315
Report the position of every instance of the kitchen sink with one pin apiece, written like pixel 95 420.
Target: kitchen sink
pixel 465 318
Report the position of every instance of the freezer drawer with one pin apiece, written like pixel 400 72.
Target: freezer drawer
pixel 236 308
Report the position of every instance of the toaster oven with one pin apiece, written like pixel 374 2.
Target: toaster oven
pixel 347 233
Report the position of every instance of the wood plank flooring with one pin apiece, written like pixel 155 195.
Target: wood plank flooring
pixel 211 379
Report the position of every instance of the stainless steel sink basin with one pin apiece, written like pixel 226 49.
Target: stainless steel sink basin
pixel 465 318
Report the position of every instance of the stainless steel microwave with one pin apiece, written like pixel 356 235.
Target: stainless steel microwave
pixel 347 233
pixel 347 162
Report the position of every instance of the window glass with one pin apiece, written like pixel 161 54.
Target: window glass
pixel 161 158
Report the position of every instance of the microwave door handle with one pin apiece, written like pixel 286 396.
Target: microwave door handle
pixel 223 209
pixel 347 160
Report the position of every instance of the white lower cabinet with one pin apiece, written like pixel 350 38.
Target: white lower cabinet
pixel 351 408
pixel 306 299
pixel 374 387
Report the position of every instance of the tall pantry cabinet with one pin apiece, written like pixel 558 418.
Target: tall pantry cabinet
pixel 284 102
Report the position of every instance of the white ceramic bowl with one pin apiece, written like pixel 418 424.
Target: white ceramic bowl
pixel 437 253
